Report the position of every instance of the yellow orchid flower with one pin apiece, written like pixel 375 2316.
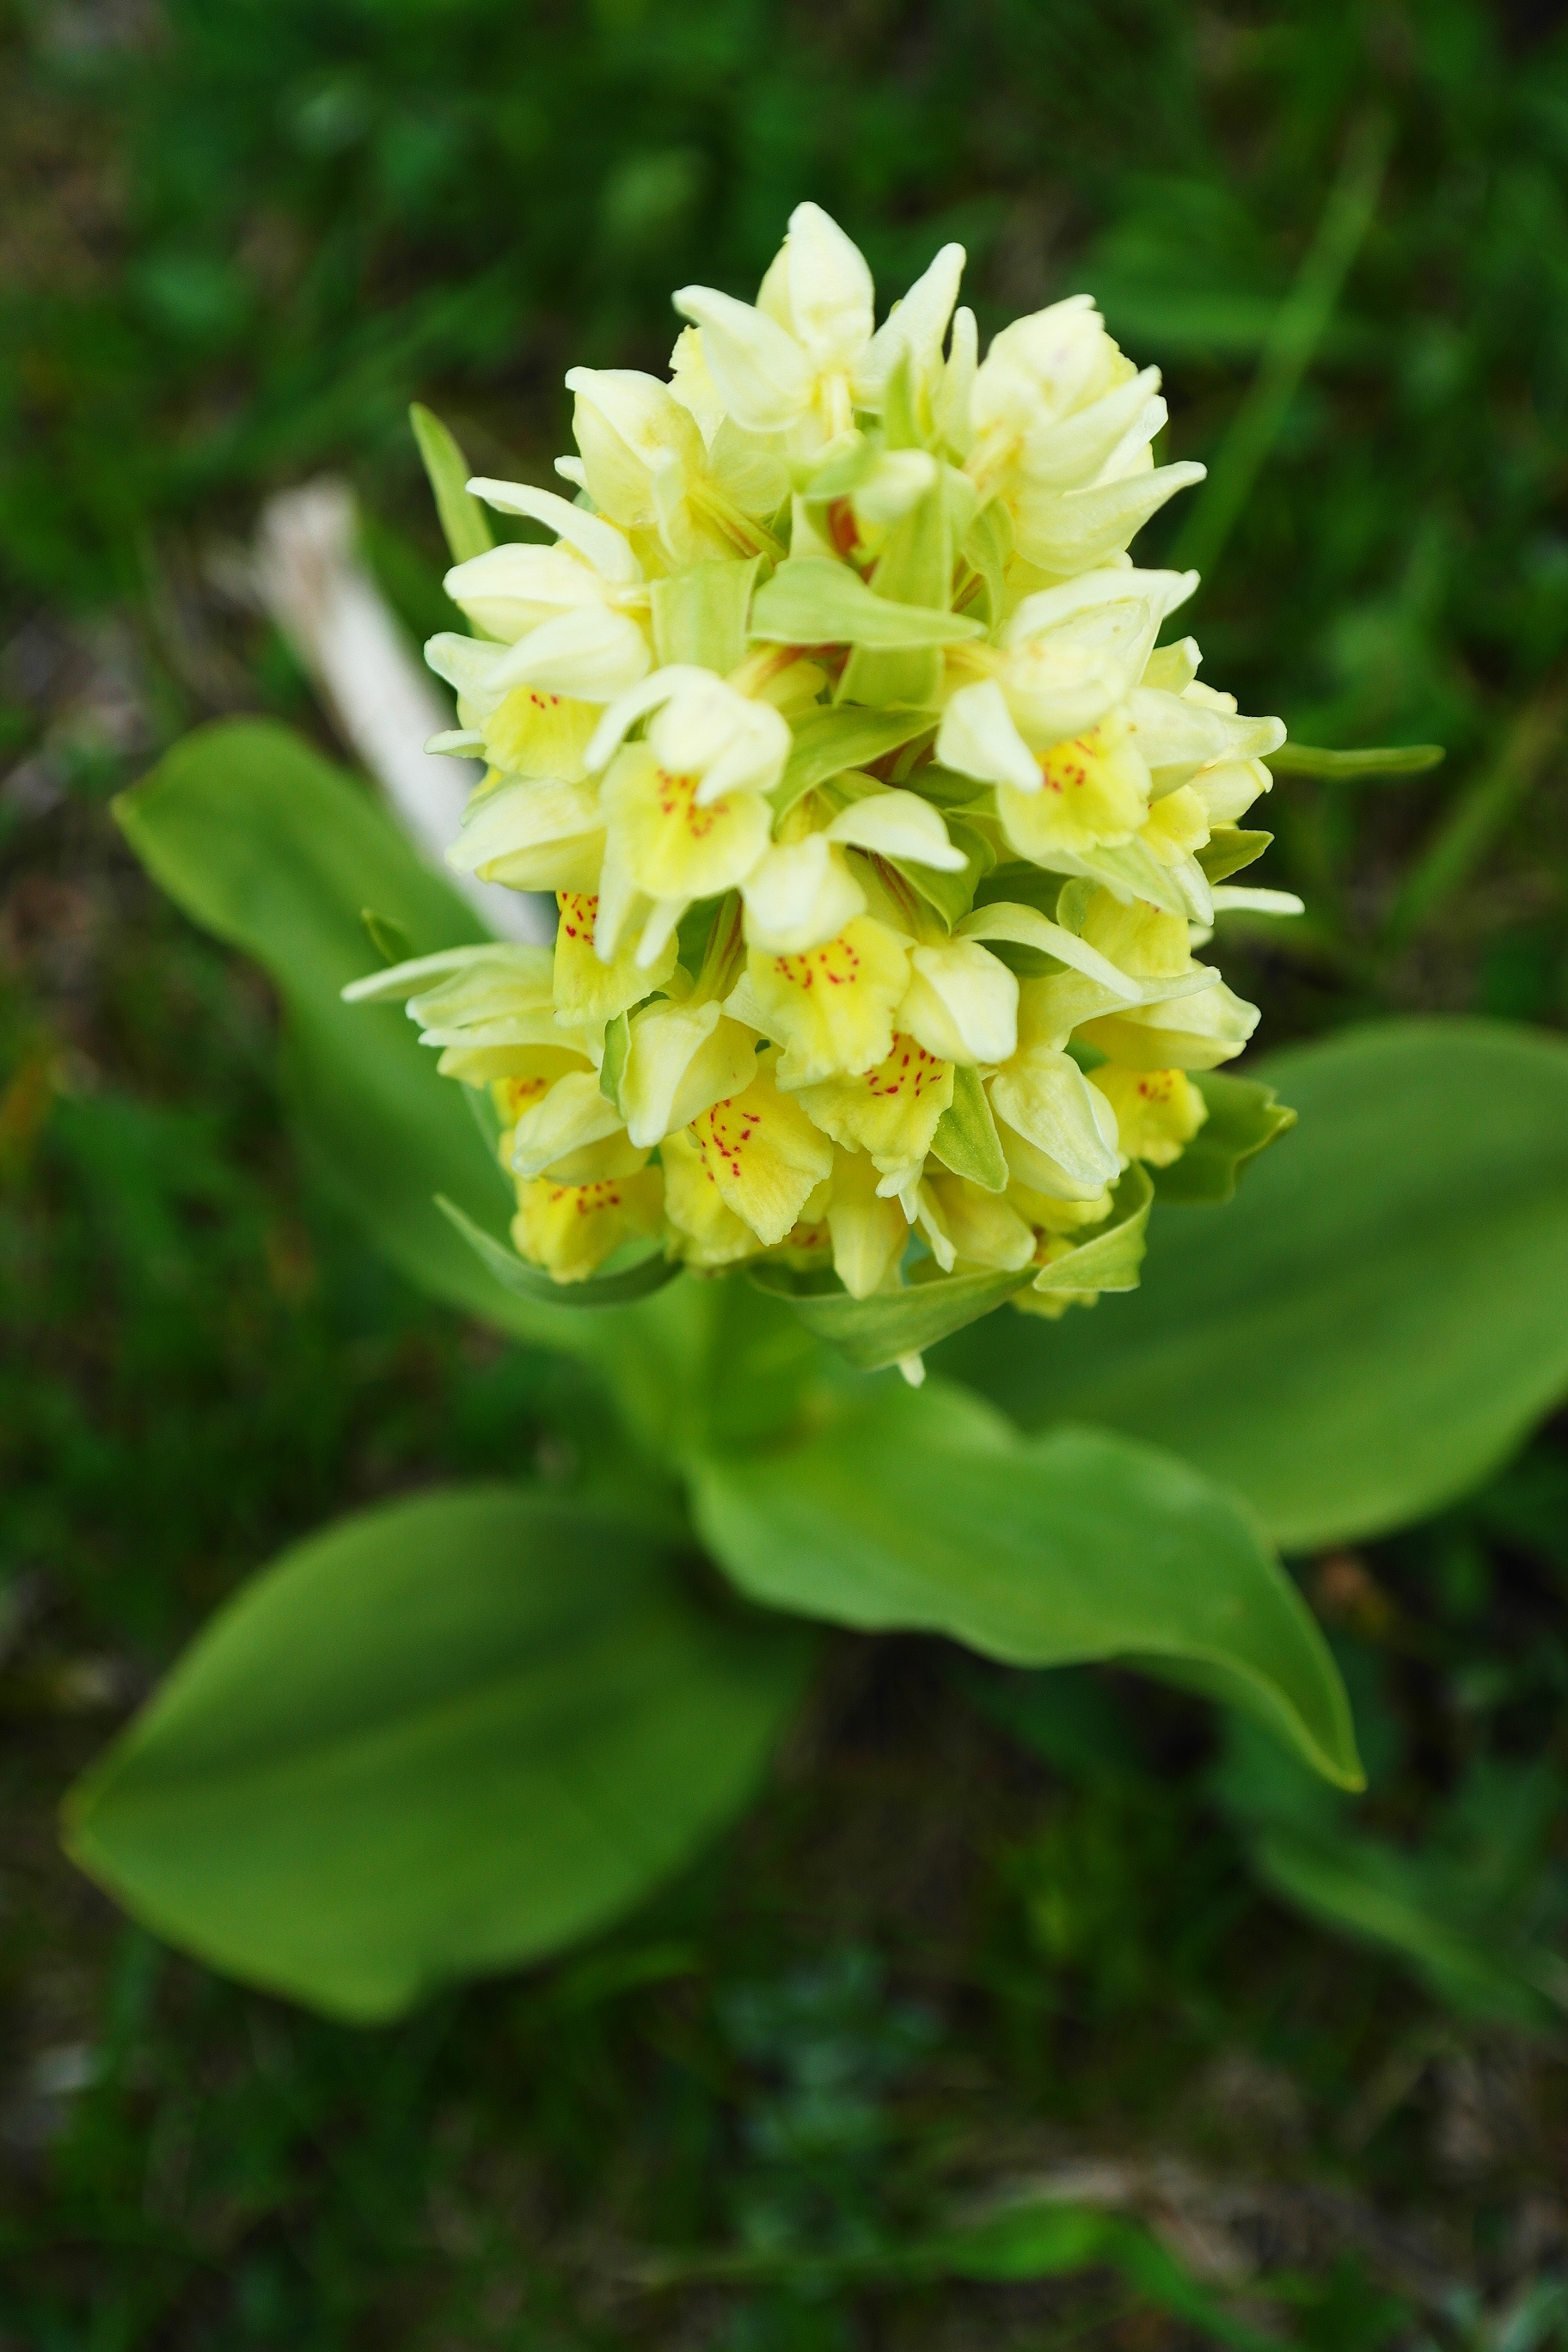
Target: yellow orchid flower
pixel 644 464
pixel 1057 1133
pixel 868 1231
pixel 756 1153
pixel 806 356
pixel 890 1112
pixel 570 1229
pixel 589 991
pixel 832 1008
pixel 1158 1112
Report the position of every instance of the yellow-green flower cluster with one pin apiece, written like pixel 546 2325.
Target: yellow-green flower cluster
pixel 881 829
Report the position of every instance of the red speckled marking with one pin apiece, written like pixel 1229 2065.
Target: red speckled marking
pixel 587 1200
pixel 907 1070
pixel 678 799
pixel 516 1094
pixel 577 912
pixel 722 1134
pixel 836 965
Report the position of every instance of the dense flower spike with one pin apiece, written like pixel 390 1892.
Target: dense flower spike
pixel 882 831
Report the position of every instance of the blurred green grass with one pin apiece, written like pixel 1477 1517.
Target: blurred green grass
pixel 235 239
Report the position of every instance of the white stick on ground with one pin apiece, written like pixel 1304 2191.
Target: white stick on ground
pixel 315 587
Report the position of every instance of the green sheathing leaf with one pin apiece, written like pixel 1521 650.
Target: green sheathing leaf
pixel 515 1273
pixel 448 1736
pixel 924 1511
pixel 1244 1118
pixel 871 1333
pixel 264 843
pixel 1376 1320
pixel 463 519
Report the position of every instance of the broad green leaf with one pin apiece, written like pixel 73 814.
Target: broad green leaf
pixel 463 519
pixel 447 1736
pixel 699 614
pixel 264 843
pixel 966 1140
pixel 811 601
pixel 829 741
pixel 1244 1118
pixel 1376 1320
pixel 922 1510
pixel 871 1333
pixel 1386 762
pixel 617 1289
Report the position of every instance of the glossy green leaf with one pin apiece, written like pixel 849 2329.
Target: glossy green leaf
pixel 966 1140
pixel 264 843
pixel 871 1333
pixel 447 1736
pixel 463 519
pixel 811 601
pixel 635 1281
pixel 1376 1320
pixel 1244 1118
pixel 923 1510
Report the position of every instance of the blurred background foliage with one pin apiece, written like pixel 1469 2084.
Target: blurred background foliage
pixel 988 1930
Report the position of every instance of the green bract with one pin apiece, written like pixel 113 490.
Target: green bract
pixel 814 642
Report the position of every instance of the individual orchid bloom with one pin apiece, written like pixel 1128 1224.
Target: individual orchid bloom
pixel 982 1229
pixel 802 892
pixel 511 590
pixel 1158 1112
pixel 890 1112
pixel 564 1122
pixel 1093 794
pixel 868 1230
pixel 702 727
pixel 489 1009
pixel 755 1155
pixel 807 356
pixel 1066 658
pixel 570 1229
pixel 588 990
pixel 961 1002
pixel 681 1059
pixel 644 464
pixel 534 834
pixel 664 848
pixel 1194 1031
pixel 832 1008
pixel 1061 425
pixel 1057 1133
